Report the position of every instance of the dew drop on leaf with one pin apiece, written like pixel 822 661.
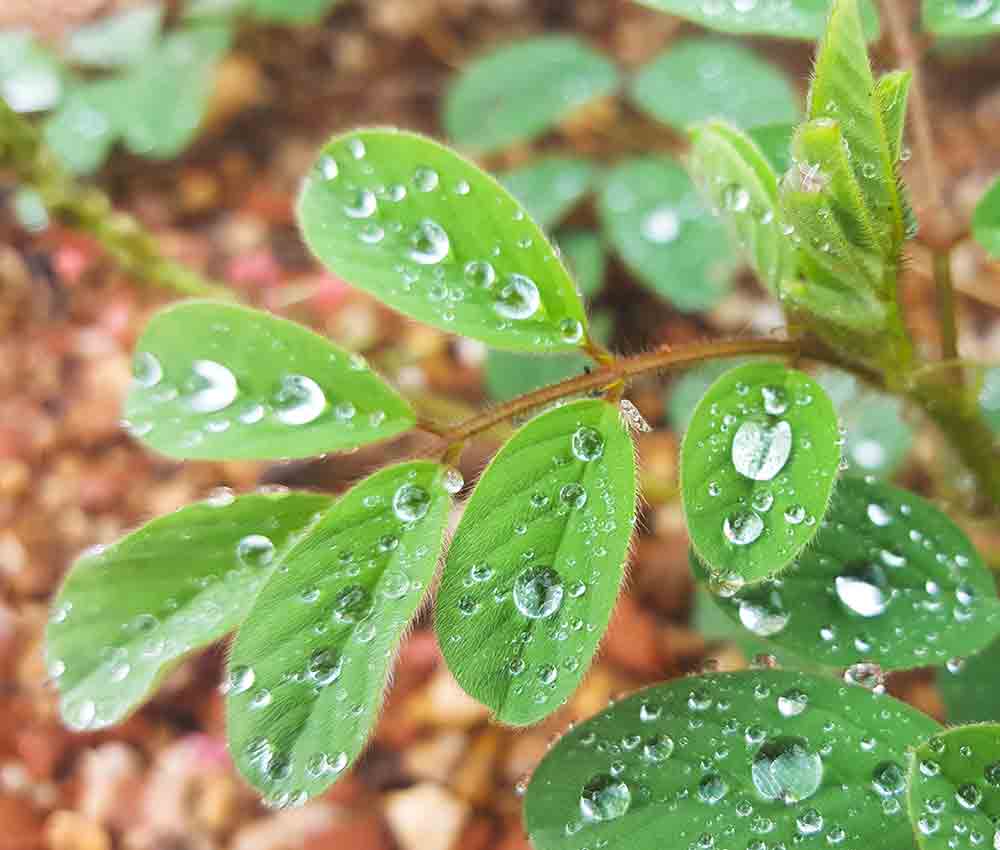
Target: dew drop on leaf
pixel 743 528
pixel 255 550
pixel 784 768
pixel 212 387
pixel 239 680
pixel 411 502
pixel 775 400
pixel 587 443
pixel 429 243
pixel 712 788
pixel 573 494
pixel 760 451
pixel 352 604
pixel 146 369
pixel 298 400
pixel 518 298
pixel 538 592
pixel 889 779
pixel 864 590
pixel 764 616
pixel 604 798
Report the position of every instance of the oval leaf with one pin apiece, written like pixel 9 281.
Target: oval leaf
pixel 434 237
pixel 961 18
pixel 584 253
pixel 727 761
pixel 798 19
pixel 969 687
pixel 129 612
pixel 758 465
pixel 534 569
pixel 986 220
pixel 219 381
pixel 653 216
pixel 954 788
pixel 550 187
pixel 693 81
pixel 523 89
pixel 888 579
pixel 123 38
pixel 308 669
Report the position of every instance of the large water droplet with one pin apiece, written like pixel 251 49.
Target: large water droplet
pixel 658 748
pixel 213 387
pixel 865 590
pixel 429 243
pixel 298 401
pixel 352 604
pixel 775 400
pixel 146 369
pixel 538 592
pixel 518 298
pixel 760 451
pixel 889 779
pixel 604 798
pixel 879 515
pixel 255 550
pixel 785 769
pixel 411 502
pixel 587 443
pixel 239 679
pixel 324 667
pixel 764 615
pixel 743 528
pixel 712 788
pixel 363 205
pixel 573 494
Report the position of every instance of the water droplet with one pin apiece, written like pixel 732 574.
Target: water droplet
pixel 429 243
pixel 587 443
pixel 426 179
pixel 324 667
pixel 775 400
pixel 411 502
pixel 352 604
pixel 212 388
pixel 538 592
pixel 864 590
pixel 604 798
pixel 571 330
pixel 363 205
pixel 794 514
pixel 573 495
pixel 480 273
pixel 867 675
pixel 712 788
pixel 743 528
pixel 328 168
pixel 452 480
pixel 809 822
pixel 879 515
pixel 658 748
pixel 785 769
pixel 792 703
pixel 662 225
pixel 298 400
pixel 762 501
pixel 889 779
pixel 968 796
pixel 518 298
pixel 255 550
pixel 146 369
pixel 764 616
pixel 760 451
pixel 239 679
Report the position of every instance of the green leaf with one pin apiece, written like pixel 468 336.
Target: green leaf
pixel 693 81
pixel 549 188
pixel 534 569
pixel 728 761
pixel 961 18
pixel 953 788
pixel 968 687
pixel 116 40
pixel 986 220
pixel 217 381
pixel 685 392
pixel 739 182
pixel 309 667
pixel 989 397
pixel 844 90
pixel 434 237
pixel 523 89
pixel 31 79
pixel 758 465
pixel 170 89
pixel 653 217
pixel 583 252
pixel 775 142
pixel 892 92
pixel 89 119
pixel 797 19
pixel 509 374
pixel 888 579
pixel 292 11
pixel 128 613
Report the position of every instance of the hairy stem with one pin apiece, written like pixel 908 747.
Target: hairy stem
pixel 87 208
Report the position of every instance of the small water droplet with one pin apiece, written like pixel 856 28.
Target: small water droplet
pixel 538 592
pixel 864 590
pixel 429 243
pixel 212 388
pixel 573 495
pixel 604 798
pixel 518 298
pixel 255 550
pixel 587 443
pixel 239 679
pixel 784 768
pixel 298 400
pixel 411 502
pixel 889 779
pixel 146 369
pixel 775 400
pixel 743 528
pixel 352 604
pixel 765 615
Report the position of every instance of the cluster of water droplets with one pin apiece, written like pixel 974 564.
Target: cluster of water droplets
pixel 213 390
pixel 434 275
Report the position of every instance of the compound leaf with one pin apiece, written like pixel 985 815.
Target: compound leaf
pixel 433 236
pixel 550 187
pixel 758 465
pixel 535 566
pixel 797 19
pixel 523 89
pixel 888 579
pixel 116 40
pixel 737 178
pixel 953 788
pixel 693 81
pixel 961 18
pixel 986 220
pixel 722 760
pixel 129 612
pixel 309 667
pixel 652 215
pixel 215 380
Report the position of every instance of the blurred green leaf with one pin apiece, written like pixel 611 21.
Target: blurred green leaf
pixel 888 579
pixel 433 236
pixel 694 80
pixel 509 374
pixel 797 19
pixel 535 565
pixel 214 380
pixel 727 760
pixel 652 215
pixel 122 38
pixel 309 667
pixel 775 142
pixel 686 391
pixel 87 123
pixel 961 18
pixel 292 11
pixel 550 187
pixel 989 396
pixel 968 687
pixel 128 613
pixel 584 253
pixel 31 79
pixel 523 89
pixel 758 464
pixel 986 220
